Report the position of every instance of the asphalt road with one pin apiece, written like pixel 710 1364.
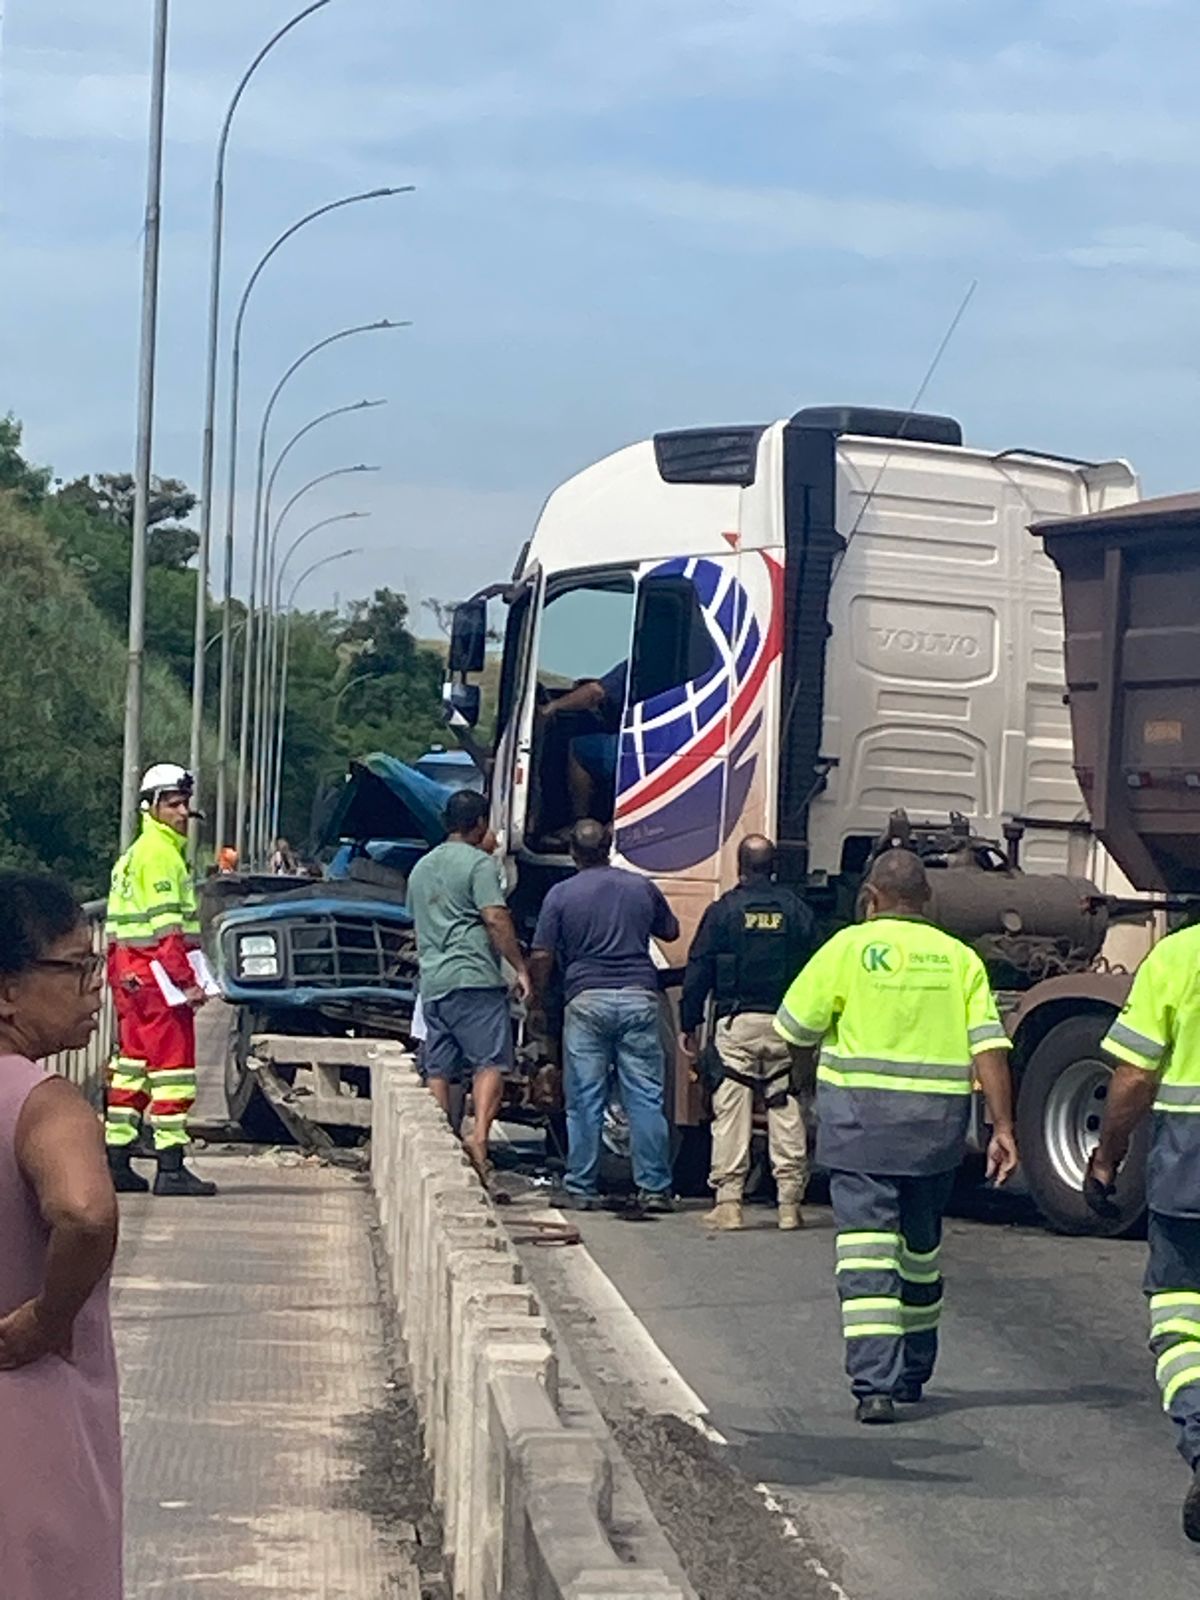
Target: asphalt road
pixel 1039 1468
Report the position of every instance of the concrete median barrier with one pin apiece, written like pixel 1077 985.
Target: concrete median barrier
pixel 526 1500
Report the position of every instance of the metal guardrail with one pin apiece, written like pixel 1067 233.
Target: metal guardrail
pixel 88 1066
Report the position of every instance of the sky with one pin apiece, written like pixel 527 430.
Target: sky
pixel 629 215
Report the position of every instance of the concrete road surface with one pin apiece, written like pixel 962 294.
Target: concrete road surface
pixel 1040 1468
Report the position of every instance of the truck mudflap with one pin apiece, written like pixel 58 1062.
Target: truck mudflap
pixel 304 1080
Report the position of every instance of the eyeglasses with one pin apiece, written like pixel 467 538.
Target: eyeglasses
pixel 87 969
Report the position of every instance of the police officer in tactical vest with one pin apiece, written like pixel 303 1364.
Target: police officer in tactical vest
pixel 906 1022
pixel 749 946
pixel 1156 1045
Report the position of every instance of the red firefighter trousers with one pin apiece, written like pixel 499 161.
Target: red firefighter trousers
pixel 153 1074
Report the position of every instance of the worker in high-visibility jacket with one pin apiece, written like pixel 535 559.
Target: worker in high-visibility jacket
pixel 1156 1045
pixel 159 980
pixel 906 1022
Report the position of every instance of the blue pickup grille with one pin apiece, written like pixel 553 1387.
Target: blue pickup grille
pixel 344 952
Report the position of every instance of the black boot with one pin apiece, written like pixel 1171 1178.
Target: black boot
pixel 125 1179
pixel 174 1178
pixel 875 1410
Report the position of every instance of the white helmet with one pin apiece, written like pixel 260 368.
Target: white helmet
pixel 162 777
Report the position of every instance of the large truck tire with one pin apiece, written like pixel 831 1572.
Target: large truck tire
pixel 245 1101
pixel 1059 1110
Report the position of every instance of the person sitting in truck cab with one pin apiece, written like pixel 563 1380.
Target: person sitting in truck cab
pixel 592 757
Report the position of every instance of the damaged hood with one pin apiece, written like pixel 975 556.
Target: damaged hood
pixel 383 798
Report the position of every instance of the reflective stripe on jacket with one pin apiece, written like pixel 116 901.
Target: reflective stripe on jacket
pixel 152 912
pixel 1159 1032
pixel 900 1009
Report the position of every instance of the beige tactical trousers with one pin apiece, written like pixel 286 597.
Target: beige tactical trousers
pixel 749 1044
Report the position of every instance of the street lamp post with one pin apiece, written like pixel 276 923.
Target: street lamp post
pixel 132 744
pixel 302 538
pixel 269 652
pixel 363 677
pixel 273 537
pixel 216 637
pixel 324 477
pixel 234 387
pixel 287 649
pixel 258 557
pixel 338 411
pixel 210 402
pixel 262 818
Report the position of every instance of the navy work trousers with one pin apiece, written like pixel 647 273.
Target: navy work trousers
pixel 889 1280
pixel 1173 1290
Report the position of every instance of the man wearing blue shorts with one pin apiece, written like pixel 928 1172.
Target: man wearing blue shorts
pixel 592 760
pixel 464 929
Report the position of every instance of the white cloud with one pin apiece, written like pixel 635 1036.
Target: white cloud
pixel 1115 92
pixel 1147 248
pixel 746 218
pixel 401 76
pixel 1014 142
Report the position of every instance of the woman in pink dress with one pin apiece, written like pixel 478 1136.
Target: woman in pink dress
pixel 60 1439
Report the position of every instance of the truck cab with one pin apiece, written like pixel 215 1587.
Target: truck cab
pixel 807 628
pixel 795 628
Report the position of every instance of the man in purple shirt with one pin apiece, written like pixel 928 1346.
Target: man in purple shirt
pixel 596 929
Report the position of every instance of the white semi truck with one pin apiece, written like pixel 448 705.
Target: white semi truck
pixel 834 629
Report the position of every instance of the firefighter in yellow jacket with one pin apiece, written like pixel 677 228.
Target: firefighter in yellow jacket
pixel 905 1021
pixel 159 980
pixel 1156 1045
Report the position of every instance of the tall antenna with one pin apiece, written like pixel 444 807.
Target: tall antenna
pixel 794 697
pixel 916 401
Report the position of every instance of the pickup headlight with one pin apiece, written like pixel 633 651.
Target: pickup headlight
pixel 258 956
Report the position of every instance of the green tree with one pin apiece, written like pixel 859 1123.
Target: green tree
pixel 62 678
pixel 28 484
pixel 357 682
pixel 92 518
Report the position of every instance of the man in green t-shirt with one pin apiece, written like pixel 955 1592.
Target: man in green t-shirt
pixel 464 929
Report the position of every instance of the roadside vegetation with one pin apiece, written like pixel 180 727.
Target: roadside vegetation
pixel 358 681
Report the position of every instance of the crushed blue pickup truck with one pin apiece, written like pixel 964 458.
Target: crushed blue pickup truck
pixel 321 973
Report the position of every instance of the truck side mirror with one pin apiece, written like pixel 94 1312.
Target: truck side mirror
pixel 461 704
pixel 468 637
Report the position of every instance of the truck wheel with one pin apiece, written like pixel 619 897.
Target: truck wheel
pixel 1059 1110
pixel 244 1099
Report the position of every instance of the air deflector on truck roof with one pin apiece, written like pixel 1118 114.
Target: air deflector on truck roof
pixel 874 422
pixel 708 455
pixel 729 455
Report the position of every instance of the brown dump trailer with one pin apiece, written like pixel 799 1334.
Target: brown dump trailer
pixel 1131 606
pixel 1131 611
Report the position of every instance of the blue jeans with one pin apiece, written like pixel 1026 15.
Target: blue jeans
pixel 607 1028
